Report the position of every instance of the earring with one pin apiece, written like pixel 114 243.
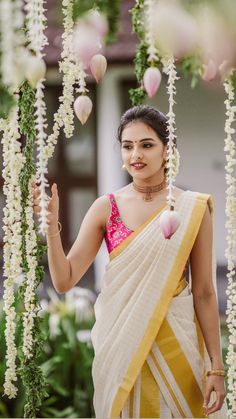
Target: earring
pixel 123 167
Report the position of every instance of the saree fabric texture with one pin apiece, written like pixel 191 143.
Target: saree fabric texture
pixel 150 356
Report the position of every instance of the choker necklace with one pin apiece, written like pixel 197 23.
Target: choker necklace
pixel 148 190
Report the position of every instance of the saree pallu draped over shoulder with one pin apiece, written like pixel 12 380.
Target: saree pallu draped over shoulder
pixel 150 356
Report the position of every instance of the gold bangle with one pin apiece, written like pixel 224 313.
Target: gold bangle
pixel 216 372
pixel 54 235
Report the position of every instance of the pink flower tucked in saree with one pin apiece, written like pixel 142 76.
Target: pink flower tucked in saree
pixel 150 356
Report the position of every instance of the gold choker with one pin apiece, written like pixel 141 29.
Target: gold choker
pixel 148 190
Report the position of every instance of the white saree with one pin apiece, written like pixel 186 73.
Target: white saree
pixel 146 328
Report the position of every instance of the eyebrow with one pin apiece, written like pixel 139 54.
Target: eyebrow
pixel 143 139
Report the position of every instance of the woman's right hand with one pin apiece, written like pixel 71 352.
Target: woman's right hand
pixel 53 203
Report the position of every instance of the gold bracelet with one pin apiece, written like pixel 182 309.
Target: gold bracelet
pixel 216 372
pixel 54 235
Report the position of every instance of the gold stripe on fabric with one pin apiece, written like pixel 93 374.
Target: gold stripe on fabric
pixel 162 306
pixel 178 406
pixel 115 252
pixel 131 406
pixel 180 367
pixel 150 394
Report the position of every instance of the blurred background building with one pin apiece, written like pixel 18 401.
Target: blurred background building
pixel 89 164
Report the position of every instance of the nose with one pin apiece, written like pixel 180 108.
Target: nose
pixel 136 154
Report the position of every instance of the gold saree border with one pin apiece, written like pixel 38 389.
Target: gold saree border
pixel 162 306
pixel 115 252
pixel 193 397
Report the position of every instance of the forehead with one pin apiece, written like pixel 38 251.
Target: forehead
pixel 136 131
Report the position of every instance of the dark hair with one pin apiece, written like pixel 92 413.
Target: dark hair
pixel 148 115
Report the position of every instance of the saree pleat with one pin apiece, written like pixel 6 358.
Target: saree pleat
pixel 150 355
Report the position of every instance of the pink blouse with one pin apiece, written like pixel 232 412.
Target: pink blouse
pixel 116 230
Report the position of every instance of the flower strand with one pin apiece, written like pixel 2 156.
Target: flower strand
pixel 152 50
pixel 13 162
pixel 31 308
pixel 172 153
pixel 230 210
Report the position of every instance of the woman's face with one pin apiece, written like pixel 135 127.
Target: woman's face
pixel 140 143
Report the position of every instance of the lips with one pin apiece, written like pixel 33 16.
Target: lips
pixel 138 165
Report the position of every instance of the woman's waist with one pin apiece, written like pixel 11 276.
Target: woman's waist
pixel 183 283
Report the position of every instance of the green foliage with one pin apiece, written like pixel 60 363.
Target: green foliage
pixel 31 374
pixel 191 66
pixel 138 95
pixel 111 8
pixel 65 362
pixel 137 18
pixel 6 101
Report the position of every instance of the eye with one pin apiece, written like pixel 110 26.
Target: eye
pixel 147 145
pixel 126 146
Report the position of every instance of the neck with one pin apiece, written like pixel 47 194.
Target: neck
pixel 152 181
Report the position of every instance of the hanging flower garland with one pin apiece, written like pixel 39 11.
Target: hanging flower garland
pixel 231 241
pixel 171 147
pixel 35 26
pixel 32 341
pixel 13 163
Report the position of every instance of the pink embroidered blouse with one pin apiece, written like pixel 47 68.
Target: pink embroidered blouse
pixel 116 230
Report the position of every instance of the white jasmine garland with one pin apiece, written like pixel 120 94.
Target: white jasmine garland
pixel 31 308
pixel 230 210
pixel 73 72
pixel 13 162
pixel 172 152
pixel 65 115
pixel 35 24
pixel 152 50
pixel 41 125
pixel 7 41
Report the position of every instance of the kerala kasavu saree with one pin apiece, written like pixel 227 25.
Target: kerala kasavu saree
pixel 146 337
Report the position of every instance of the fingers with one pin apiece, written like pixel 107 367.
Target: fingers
pixel 36 193
pixel 54 189
pixel 217 404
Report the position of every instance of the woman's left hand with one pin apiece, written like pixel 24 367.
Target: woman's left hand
pixel 214 383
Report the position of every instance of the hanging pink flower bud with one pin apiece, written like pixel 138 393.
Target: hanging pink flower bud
pixel 82 107
pixel 210 71
pixel 169 223
pixel 98 66
pixel 152 80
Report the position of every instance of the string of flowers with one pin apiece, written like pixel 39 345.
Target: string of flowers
pixel 172 152
pixel 65 116
pixel 31 251
pixel 7 40
pixel 152 51
pixel 229 149
pixel 35 25
pixel 13 163
pixel 30 306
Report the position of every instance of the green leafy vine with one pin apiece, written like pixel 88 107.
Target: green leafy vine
pixel 31 374
pixel 138 94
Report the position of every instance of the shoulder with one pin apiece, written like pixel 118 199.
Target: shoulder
pixel 202 198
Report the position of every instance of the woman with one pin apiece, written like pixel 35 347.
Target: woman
pixel 154 337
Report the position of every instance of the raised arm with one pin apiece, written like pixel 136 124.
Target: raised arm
pixel 66 271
